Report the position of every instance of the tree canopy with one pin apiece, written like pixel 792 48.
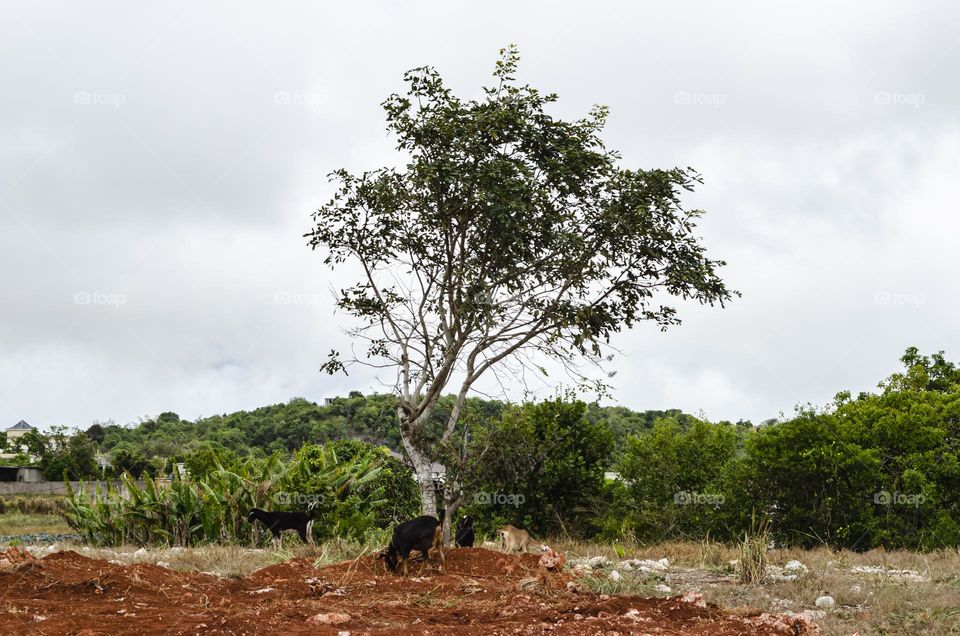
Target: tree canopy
pixel 509 236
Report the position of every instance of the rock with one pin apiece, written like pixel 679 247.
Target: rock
pixel 329 618
pixel 812 614
pixel 551 560
pixel 795 565
pixel 163 564
pixel 615 576
pixel 906 575
pixel 664 588
pixel 855 589
pixel 694 598
pixel 140 553
pixel 825 602
pixel 645 565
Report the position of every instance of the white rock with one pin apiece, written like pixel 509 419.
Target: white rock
pixel 812 614
pixel 163 564
pixel 855 589
pixel 329 618
pixel 142 552
pixel 646 565
pixel 662 587
pixel 907 575
pixel 694 598
pixel 795 565
pixel 825 602
pixel 615 576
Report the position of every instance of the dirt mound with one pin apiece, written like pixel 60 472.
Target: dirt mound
pixel 480 592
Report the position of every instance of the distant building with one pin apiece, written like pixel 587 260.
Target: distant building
pixel 28 474
pixel 19 429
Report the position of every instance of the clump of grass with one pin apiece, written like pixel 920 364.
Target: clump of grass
pixel 753 553
pixel 339 550
pixel 32 504
pixel 712 554
pixel 628 584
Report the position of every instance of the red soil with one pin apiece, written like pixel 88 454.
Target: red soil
pixel 481 592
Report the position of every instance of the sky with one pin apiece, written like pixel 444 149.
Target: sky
pixel 159 164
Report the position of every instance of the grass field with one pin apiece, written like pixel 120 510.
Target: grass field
pixel 876 592
pixel 13 523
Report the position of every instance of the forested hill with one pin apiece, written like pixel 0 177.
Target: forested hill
pixel 286 427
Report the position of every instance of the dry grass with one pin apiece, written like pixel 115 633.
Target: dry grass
pixel 865 603
pixel 752 557
pixel 225 560
pixel 13 523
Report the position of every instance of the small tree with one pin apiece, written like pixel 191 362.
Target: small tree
pixel 510 235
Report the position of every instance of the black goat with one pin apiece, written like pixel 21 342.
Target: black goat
pixel 465 536
pixel 420 534
pixel 277 522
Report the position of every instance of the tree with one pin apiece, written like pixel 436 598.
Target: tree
pixel 510 236
pixel 127 458
pixel 672 476
pixel 541 466
pixel 96 433
pixel 70 457
pixel 35 442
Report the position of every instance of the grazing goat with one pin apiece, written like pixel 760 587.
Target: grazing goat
pixel 465 534
pixel 277 522
pixel 420 534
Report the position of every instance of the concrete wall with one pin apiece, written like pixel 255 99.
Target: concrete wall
pixel 30 475
pixel 50 487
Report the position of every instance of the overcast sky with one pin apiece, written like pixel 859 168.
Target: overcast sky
pixel 159 164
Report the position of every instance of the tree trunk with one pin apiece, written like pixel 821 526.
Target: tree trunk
pixel 421 467
pixel 428 491
pixel 451 503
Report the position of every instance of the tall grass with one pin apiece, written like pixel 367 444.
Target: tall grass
pixel 753 553
pixel 32 504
